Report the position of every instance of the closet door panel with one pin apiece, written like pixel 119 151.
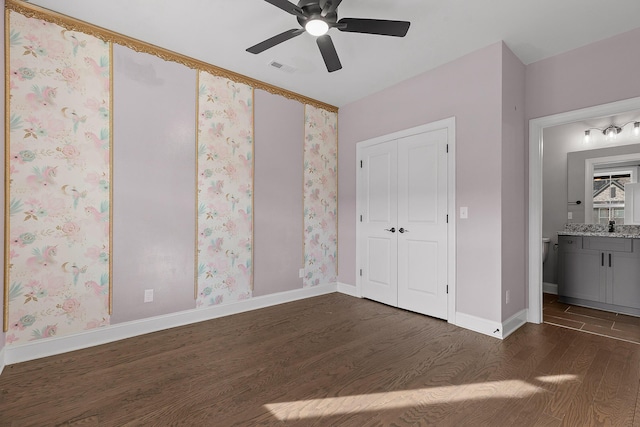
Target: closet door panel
pixel 422 223
pixel 379 223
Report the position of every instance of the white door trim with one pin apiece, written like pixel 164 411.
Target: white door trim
pixel 536 127
pixel 450 125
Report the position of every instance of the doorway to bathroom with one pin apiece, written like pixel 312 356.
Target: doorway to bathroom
pixel 556 202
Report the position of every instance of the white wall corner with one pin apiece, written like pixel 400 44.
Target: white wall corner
pixel 477 324
pixel 2 352
pixel 350 290
pixel 550 288
pixel 512 324
pixel 58 345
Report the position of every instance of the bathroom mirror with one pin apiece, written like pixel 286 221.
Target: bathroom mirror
pixel 612 167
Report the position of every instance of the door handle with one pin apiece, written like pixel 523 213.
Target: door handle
pixel 392 229
pixel 403 230
pixel 609 260
pixel 602 259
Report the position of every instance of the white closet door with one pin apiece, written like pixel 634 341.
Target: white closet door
pixel 379 223
pixel 422 223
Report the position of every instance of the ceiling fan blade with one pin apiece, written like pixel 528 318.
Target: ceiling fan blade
pixel 373 26
pixel 330 6
pixel 275 40
pixel 287 7
pixel 329 54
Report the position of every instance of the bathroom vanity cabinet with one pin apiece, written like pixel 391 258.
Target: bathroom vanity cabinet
pixel 600 272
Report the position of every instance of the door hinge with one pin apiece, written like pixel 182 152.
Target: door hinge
pixel 447 288
pixel 360 272
pixel 447 219
pixel 360 218
pixel 447 148
pixel 360 164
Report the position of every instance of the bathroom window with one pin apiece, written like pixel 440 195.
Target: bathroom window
pixel 608 196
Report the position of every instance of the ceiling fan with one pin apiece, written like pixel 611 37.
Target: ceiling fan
pixel 317 16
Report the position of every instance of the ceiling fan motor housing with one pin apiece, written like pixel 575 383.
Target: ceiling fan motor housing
pixel 324 13
pixel 313 10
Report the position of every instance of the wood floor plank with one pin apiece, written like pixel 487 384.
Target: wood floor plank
pixel 330 361
pixel 581 411
pixel 628 392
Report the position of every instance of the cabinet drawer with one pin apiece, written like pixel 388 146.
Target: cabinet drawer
pixel 616 244
pixel 569 243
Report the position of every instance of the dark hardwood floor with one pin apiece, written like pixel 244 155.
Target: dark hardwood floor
pixel 332 360
pixel 614 325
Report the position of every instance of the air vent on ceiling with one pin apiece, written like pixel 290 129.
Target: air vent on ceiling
pixel 282 67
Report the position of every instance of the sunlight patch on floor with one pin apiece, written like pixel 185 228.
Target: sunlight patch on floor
pixel 331 406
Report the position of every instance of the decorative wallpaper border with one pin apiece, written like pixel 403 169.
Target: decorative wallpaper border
pixel 70 23
pixel 225 177
pixel 7 172
pixel 320 196
pixel 57 220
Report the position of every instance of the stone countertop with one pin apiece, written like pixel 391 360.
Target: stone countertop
pixel 599 234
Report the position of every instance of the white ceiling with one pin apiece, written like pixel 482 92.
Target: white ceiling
pixel 219 31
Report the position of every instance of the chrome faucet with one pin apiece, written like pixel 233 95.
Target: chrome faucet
pixel 611 224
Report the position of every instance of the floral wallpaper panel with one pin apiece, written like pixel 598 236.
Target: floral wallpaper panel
pixel 320 196
pixel 59 180
pixel 225 186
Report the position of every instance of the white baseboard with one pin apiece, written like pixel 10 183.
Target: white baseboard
pixel 57 345
pixel 2 359
pixel 512 324
pixel 549 288
pixel 491 328
pixel 350 290
pixel 477 324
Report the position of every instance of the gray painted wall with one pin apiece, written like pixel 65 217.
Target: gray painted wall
pixel 513 180
pixel 278 220
pixel 154 182
pixel 470 89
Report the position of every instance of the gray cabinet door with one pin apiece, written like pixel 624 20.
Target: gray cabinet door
pixel 581 275
pixel 623 279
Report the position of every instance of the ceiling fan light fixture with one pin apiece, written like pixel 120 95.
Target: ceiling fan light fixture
pixel 316 27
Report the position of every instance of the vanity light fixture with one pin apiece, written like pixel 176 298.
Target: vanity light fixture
pixel 611 132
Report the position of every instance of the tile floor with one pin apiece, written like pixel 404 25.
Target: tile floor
pixel 614 325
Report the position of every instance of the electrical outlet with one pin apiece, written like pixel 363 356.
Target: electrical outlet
pixel 464 212
pixel 507 297
pixel 301 273
pixel 570 215
pixel 148 295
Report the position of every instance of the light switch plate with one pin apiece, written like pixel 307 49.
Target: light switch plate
pixel 570 215
pixel 464 212
pixel 148 295
pixel 301 273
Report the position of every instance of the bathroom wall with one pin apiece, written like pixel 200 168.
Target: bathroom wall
pixel 558 142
